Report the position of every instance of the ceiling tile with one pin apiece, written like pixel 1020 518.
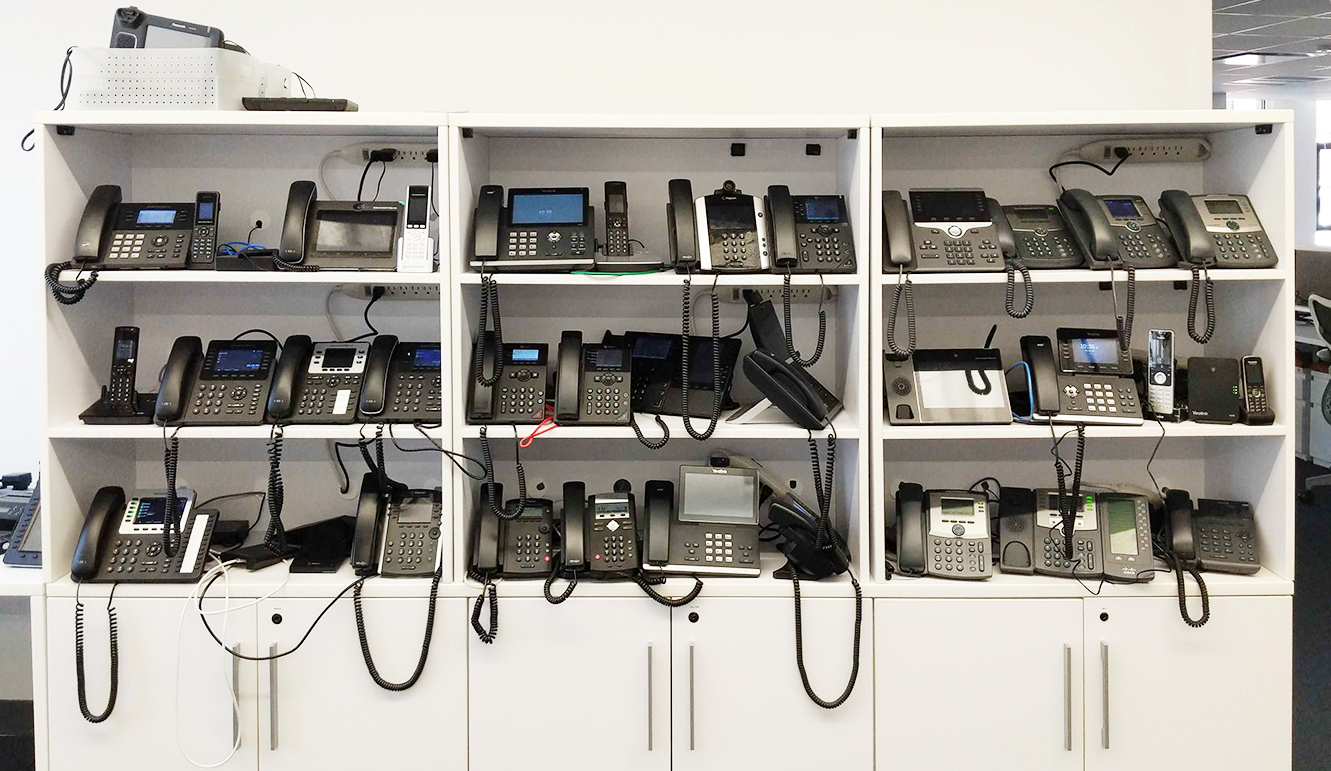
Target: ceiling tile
pixel 1227 23
pixel 1313 26
pixel 1287 7
pixel 1271 43
pixel 1220 5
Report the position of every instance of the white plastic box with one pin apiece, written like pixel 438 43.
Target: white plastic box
pixel 171 79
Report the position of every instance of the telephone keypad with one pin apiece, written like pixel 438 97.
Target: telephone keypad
pixel 538 243
pixel 1257 400
pixel 1111 397
pixel 1051 247
pixel 241 400
pixel 522 399
pixel 826 248
pixel 1055 555
pixel 417 395
pixel 957 249
pixel 411 548
pixel 739 249
pixel 606 398
pixel 1143 246
pixel 1231 542
pixel 959 556
pixel 616 551
pixel 1241 247
pixel 166 246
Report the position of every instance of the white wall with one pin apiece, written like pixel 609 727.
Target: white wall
pixel 1305 166
pixel 626 56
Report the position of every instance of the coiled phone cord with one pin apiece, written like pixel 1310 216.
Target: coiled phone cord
pixel 855 651
pixel 78 659
pixel 275 538
pixel 487 458
pixel 686 325
pixel 488 591
pixel 822 324
pixel 66 294
pixel 652 444
pixel 552 598
pixel 489 313
pixel 170 518
pixel 823 489
pixel 646 583
pixel 425 643
pixel 291 267
pixel 1124 322
pixel 1201 281
pixel 1179 569
pixel 904 291
pixel 1010 293
pixel 1068 504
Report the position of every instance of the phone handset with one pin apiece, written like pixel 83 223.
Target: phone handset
pixel 1012 262
pixel 659 507
pixel 568 379
pixel 899 259
pixel 370 508
pixel 681 226
pixel 573 554
pixel 911 529
pixel 481 402
pixel 1183 547
pixel 90 244
pixel 785 248
pixel 177 378
pixel 485 558
pixel 107 507
pixel 294 359
pixel 1038 353
pixel 1198 249
pixel 1090 226
pixel 486 222
pixel 298 223
pixel 792 394
pixel 373 394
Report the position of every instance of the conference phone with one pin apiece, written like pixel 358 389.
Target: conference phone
pixel 1087 379
pixel 228 384
pixel 942 533
pixel 540 229
pixel 398 529
pixel 402 382
pixel 517 545
pixel 121 539
pixel 113 234
pixel 317 382
pixel 518 396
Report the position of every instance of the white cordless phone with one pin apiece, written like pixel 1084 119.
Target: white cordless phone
pixel 415 247
pixel 1160 372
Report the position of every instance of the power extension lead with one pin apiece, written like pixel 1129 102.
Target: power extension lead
pixel 411 153
pixel 1147 150
pixel 392 291
pixel 798 294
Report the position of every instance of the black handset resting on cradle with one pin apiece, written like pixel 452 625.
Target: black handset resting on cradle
pixel 117 235
pixel 519 396
pixel 593 383
pixel 1117 230
pixel 942 230
pixel 809 233
pixel 227 385
pixel 1087 379
pixel 339 235
pixel 317 382
pixel 942 533
pixel 1220 231
pixel 573 526
pixel 1216 535
pixel 397 530
pixel 402 383
pixel 121 539
pixel 1040 237
pixel 520 547
pixel 681 225
pixel 541 229
pixel 711 529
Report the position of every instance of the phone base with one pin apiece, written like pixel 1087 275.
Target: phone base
pixel 102 413
pixel 258 556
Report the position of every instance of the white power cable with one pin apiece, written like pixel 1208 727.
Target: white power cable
pixel 227 660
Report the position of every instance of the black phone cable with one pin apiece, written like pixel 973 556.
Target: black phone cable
pixel 855 650
pixel 66 81
pixel 291 267
pixel 425 643
pixel 1124 322
pixel 686 325
pixel 1010 293
pixel 236 654
pixel 488 592
pixel 552 598
pixel 1069 503
pixel 1201 280
pixel 822 487
pixel 489 314
pixel 647 582
pixel 275 538
pixel 80 679
pixel 171 535
pixel 67 294
pixel 651 444
pixel 496 507
pixel 1180 568
pixel 904 291
pixel 790 336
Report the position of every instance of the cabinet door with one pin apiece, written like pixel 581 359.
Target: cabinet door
pixel 738 700
pixel 318 707
pixel 154 650
pixel 572 686
pixel 1161 694
pixel 999 679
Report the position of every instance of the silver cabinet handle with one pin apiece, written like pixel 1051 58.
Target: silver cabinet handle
pixel 1067 697
pixel 649 697
pixel 272 698
pixel 1104 691
pixel 235 693
pixel 691 731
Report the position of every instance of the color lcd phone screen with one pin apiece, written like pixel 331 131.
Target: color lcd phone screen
pixel 151 511
pixel 822 210
pixel 731 215
pixel 354 231
pixel 205 213
pixel 1252 372
pixel 1227 206
pixel 124 350
pixel 547 209
pixel 427 358
pixel 608 358
pixel 339 358
pixel 1122 527
pixel 1121 207
pixel 948 206
pixel 1094 350
pixel 416 206
pixel 729 498
pixel 232 360
pixel 653 347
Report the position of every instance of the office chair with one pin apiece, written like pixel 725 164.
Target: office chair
pixel 1320 308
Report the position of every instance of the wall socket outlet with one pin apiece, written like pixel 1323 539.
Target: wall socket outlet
pixel 1148 150
pixel 407 152
pixel 393 291
pixel 798 294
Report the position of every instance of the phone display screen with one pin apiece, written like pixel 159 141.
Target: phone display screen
pixel 339 358
pixel 822 210
pixel 652 347
pixel 152 511
pixel 205 211
pixel 728 498
pixel 428 357
pixel 730 215
pixel 414 510
pixel 1094 350
pixel 417 202
pixel 338 231
pixel 164 37
pixel 954 509
pixel 233 360
pixel 547 209
pixel 525 355
pixel 32 537
pixel 607 358
pixel 156 217
pixel 616 203
pixel 1224 206
pixel 1252 372
pixel 124 350
pixel 1122 207
pixel 949 206
pixel 1122 515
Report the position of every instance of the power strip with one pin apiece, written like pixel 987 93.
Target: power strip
pixel 798 294
pixel 392 291
pixel 407 152
pixel 1148 150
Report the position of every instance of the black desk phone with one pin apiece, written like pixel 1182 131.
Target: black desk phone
pixel 942 230
pixel 1091 381
pixel 713 527
pixel 120 402
pixel 599 532
pixel 519 547
pixel 1217 535
pixel 403 382
pixel 397 530
pixel 227 385
pixel 1040 238
pixel 541 229
pixel 942 533
pixel 809 233
pixel 116 235
pixel 121 540
pixel 655 366
pixel 1219 231
pixel 1117 231
pixel 728 229
pixel 317 382
pixel 790 388
pixel 593 383
pixel 338 235
pixel 519 396
pixel 1031 535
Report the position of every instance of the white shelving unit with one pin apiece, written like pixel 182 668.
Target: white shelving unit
pixel 737 628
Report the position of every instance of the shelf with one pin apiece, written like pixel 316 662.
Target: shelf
pixel 1107 122
pixel 78 430
pixel 1085 276
pixel 1040 431
pixel 1006 585
pixel 662 278
pixel 844 424
pixel 660 126
pixel 20 582
pixel 256 277
pixel 237 122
